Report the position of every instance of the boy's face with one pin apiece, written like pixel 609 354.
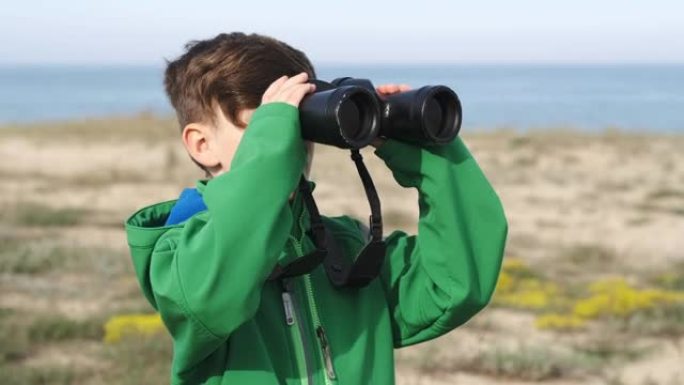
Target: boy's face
pixel 214 145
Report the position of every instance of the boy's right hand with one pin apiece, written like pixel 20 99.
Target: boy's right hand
pixel 290 90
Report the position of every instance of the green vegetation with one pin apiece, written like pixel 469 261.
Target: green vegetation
pixel 19 255
pixel 145 127
pixel 139 360
pixel 666 193
pixel 572 310
pixel 588 256
pixel 527 362
pixel 534 363
pixel 36 214
pixel 131 361
pixel 21 375
pixel 51 328
pixel 14 342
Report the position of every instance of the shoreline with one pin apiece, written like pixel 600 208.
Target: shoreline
pixel 150 115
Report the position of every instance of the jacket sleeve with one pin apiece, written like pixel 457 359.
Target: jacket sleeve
pixel 438 279
pixel 207 276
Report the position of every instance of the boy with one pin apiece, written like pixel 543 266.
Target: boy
pixel 204 260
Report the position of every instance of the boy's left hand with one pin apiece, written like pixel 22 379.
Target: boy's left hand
pixel 385 90
pixel 389 89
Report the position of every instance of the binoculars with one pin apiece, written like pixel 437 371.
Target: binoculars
pixel 348 113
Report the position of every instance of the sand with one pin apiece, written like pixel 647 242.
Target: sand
pixel 620 195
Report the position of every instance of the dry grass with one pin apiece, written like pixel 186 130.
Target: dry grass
pixel 38 214
pixel 144 127
pixel 581 207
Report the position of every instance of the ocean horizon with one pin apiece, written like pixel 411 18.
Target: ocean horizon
pixel 630 97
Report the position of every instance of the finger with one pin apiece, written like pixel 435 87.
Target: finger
pixel 297 79
pixel 298 91
pixel 382 88
pixel 292 82
pixel 297 94
pixel 388 89
pixel 392 89
pixel 404 87
pixel 275 85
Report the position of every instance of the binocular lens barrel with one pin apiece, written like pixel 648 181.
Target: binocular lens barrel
pixel 346 117
pixel 428 115
pixel 348 113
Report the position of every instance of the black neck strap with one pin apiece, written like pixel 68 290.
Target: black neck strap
pixel 306 263
pixel 341 271
pixel 369 262
pixel 375 219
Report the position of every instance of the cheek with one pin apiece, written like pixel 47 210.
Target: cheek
pixel 310 150
pixel 228 143
pixel 309 158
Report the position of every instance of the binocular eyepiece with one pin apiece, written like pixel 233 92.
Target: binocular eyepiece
pixel 348 113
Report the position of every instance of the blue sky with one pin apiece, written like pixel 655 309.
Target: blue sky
pixel 352 31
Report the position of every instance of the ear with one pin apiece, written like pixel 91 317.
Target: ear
pixel 196 138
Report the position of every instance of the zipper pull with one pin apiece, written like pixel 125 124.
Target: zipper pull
pixel 289 311
pixel 327 354
pixel 288 305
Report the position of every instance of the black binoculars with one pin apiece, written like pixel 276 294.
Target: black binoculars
pixel 348 113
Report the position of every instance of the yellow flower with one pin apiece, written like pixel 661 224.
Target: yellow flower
pixel 519 288
pixel 612 297
pixel 505 283
pixel 529 293
pixel 615 297
pixel 514 264
pixel 132 324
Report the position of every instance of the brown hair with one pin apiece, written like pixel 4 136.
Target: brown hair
pixel 232 70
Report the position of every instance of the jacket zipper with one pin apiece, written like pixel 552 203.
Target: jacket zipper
pixel 297 333
pixel 325 353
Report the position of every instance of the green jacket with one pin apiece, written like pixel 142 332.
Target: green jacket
pixel 207 277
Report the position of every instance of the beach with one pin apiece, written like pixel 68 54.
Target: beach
pixel 592 289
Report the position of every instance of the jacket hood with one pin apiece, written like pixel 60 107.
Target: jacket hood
pixel 143 230
pixel 147 225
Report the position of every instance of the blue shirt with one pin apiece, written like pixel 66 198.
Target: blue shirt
pixel 189 203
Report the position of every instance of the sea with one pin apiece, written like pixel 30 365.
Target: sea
pixel 626 97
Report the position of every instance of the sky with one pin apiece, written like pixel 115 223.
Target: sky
pixel 143 32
